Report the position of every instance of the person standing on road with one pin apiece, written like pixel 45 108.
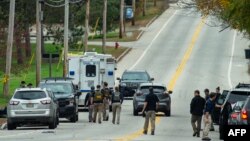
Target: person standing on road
pixel 98 104
pixel 117 100
pixel 196 109
pixel 206 91
pixel 151 104
pixel 216 110
pixel 107 93
pixel 209 106
pixel 89 102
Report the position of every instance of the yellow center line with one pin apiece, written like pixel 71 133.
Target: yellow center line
pixel 175 77
pixel 187 54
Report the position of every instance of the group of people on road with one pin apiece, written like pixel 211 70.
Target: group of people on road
pixel 98 101
pixel 203 108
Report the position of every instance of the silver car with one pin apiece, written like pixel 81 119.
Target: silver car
pixel 32 106
pixel 161 92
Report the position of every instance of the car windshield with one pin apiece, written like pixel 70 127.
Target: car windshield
pixel 135 76
pixel 29 95
pixel 58 88
pixel 157 89
pixel 237 96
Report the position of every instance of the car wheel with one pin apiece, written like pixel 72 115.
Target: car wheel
pixel 52 125
pixel 221 132
pixel 168 113
pixel 57 120
pixel 135 112
pixel 77 117
pixel 73 118
pixel 11 126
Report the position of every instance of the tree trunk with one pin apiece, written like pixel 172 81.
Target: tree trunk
pixel 155 1
pixel 143 7
pixel 86 34
pixel 18 42
pixel 104 26
pixel 27 41
pixel 133 6
pixel 121 32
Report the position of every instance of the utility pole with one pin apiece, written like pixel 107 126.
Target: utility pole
pixel 9 47
pixel 104 26
pixel 121 31
pixel 86 34
pixel 133 6
pixel 66 37
pixel 38 41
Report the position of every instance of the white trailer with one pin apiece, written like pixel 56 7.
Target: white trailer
pixel 91 69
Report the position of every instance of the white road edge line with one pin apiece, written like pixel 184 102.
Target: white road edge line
pixel 146 50
pixel 231 61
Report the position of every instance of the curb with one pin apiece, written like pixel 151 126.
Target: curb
pixel 123 54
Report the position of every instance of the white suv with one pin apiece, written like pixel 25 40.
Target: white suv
pixel 32 106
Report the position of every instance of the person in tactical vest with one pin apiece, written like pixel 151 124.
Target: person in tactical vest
pixel 107 93
pixel 98 103
pixel 117 99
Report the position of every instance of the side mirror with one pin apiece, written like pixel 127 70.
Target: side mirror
pixel 152 79
pixel 118 78
pixel 115 68
pixel 170 92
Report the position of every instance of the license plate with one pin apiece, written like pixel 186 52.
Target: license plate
pixel 30 105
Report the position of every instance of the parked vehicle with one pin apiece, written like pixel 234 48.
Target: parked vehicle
pixel 234 116
pixel 160 90
pixel 131 80
pixel 245 113
pixel 32 106
pixel 66 94
pixel 237 94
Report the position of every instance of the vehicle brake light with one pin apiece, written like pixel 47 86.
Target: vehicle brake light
pixel 234 115
pixel 45 101
pixel 14 102
pixel 244 114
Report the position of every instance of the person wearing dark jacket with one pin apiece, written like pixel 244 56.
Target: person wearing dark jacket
pixel 196 110
pixel 89 102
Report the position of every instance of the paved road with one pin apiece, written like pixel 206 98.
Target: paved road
pixel 179 50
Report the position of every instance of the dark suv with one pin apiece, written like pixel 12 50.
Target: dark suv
pixel 237 94
pixel 67 95
pixel 131 79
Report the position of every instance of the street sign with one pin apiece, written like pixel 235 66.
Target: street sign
pixel 129 13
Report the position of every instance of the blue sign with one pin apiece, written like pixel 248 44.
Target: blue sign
pixel 129 13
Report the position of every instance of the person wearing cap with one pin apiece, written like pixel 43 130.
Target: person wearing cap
pixel 209 106
pixel 151 105
pixel 89 102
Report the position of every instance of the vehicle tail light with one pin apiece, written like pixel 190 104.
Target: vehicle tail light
pixel 14 102
pixel 234 115
pixel 45 102
pixel 244 114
